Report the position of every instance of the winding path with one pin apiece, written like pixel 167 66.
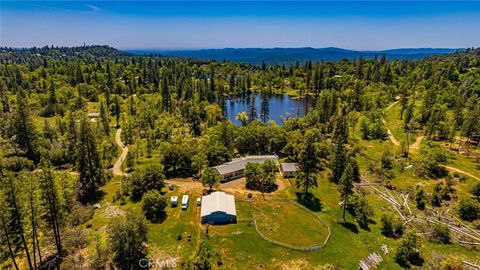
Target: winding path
pixel 413 147
pixel 117 168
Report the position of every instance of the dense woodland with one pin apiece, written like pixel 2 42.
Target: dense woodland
pixel 54 159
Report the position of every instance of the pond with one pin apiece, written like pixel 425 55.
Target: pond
pixel 273 107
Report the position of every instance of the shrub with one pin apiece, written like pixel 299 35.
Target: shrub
pixel 391 226
pixel 476 190
pixel 420 199
pixel 441 234
pixel 408 252
pixel 17 164
pixel 469 210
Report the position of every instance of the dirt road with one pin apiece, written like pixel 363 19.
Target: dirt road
pixel 461 171
pixel 117 168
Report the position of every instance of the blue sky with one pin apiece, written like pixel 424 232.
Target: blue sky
pixel 191 25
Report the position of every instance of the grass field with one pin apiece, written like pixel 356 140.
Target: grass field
pixel 242 248
pixel 395 124
pixel 287 223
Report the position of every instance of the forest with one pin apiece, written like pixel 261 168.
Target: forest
pixel 409 126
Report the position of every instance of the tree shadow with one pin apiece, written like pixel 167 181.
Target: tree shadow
pixel 93 199
pixel 414 259
pixel 310 201
pixel 351 226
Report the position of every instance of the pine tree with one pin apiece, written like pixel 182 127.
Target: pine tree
pixel 346 185
pixel 50 201
pixel 340 136
pixel 104 117
pixel 308 161
pixel 89 165
pixel 15 215
pixel 25 135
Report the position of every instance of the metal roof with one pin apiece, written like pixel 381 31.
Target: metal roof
pixel 289 167
pixel 185 199
pixel 218 202
pixel 238 164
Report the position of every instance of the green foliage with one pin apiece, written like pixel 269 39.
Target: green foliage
pixel 441 234
pixel 433 156
pixel 420 199
pixel 391 226
pixel 153 206
pixel 475 190
pixel 151 178
pixel 89 164
pixel 209 177
pixel 408 251
pixel 261 176
pixel 469 209
pixel 205 258
pixel 309 157
pixel 345 185
pixel 126 240
pixel 359 207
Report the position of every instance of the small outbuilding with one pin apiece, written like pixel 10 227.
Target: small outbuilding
pixel 218 208
pixel 93 115
pixel 184 202
pixel 288 170
pixel 173 201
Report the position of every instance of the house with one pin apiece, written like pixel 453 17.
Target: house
pixel 173 201
pixel 288 170
pixel 184 202
pixel 218 208
pixel 234 169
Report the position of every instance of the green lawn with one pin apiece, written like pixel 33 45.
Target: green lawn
pixel 289 224
pixel 395 124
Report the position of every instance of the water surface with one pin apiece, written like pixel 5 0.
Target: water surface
pixel 264 108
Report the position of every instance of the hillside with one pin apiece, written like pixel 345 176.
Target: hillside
pixel 94 143
pixel 289 56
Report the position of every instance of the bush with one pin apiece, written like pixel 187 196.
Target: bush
pixel 361 210
pixel 391 226
pixel 126 238
pixel 420 199
pixel 408 252
pixel 17 164
pixel 154 205
pixel 441 234
pixel 469 209
pixel 476 190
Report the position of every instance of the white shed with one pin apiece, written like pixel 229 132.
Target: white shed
pixel 184 202
pixel 218 208
pixel 173 201
pixel 288 170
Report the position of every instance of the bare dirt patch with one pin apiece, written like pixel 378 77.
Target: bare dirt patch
pixel 113 211
pixel 239 186
pixel 186 184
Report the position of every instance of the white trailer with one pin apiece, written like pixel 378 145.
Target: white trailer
pixel 184 202
pixel 174 201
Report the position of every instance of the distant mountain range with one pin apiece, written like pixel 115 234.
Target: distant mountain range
pixel 289 56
